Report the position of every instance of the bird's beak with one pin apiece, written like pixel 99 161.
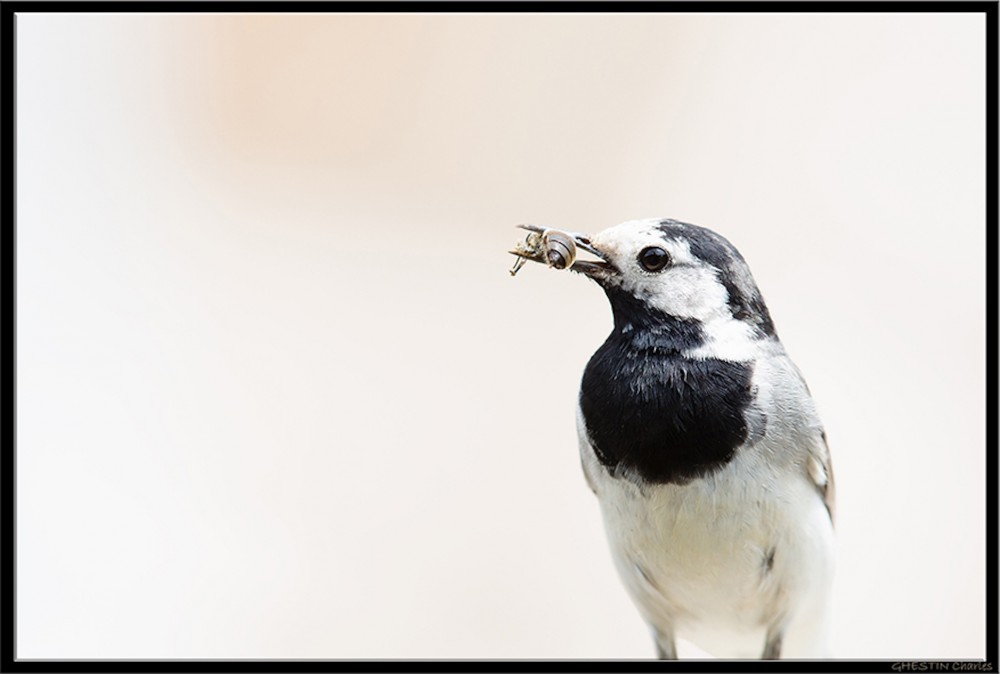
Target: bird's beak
pixel 559 249
pixel 598 269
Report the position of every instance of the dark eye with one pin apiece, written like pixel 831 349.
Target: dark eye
pixel 653 259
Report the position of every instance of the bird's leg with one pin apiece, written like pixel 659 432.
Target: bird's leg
pixel 772 643
pixel 665 647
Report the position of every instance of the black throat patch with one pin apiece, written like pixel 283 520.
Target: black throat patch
pixel 651 411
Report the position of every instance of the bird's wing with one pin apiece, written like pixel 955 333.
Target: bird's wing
pixel 819 465
pixel 823 476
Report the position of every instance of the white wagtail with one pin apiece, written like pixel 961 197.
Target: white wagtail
pixel 701 440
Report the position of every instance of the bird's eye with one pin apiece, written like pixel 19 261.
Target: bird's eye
pixel 653 258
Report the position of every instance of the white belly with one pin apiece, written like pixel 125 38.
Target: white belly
pixel 720 559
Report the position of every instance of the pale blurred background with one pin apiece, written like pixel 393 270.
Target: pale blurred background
pixel 278 396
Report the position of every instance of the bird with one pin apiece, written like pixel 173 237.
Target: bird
pixel 703 445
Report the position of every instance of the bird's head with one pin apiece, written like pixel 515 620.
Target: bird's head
pixel 676 269
pixel 660 273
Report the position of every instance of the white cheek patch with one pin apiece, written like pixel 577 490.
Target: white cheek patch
pixel 684 292
pixel 697 293
pixel 686 289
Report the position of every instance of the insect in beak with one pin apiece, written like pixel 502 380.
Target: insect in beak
pixel 557 249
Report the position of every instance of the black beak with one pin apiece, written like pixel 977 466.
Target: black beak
pixel 595 269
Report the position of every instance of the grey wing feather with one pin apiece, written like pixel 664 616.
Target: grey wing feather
pixel 819 465
pixel 829 489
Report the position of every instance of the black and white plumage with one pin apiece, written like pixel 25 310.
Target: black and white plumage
pixel 700 439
